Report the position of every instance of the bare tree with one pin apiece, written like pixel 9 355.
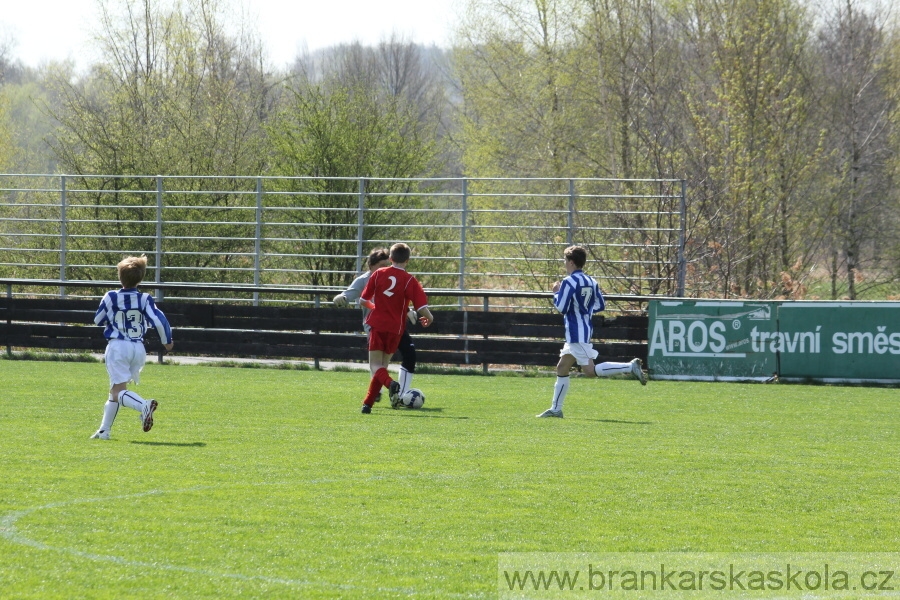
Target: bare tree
pixel 176 92
pixel 862 207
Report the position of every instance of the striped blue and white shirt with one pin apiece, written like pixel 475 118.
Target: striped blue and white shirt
pixel 578 298
pixel 128 313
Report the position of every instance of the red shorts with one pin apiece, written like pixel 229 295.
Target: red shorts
pixel 384 341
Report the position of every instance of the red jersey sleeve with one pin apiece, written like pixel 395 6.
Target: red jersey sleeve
pixel 416 294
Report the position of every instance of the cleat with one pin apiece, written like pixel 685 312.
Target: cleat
pixel 366 409
pixel 395 399
pixel 638 371
pixel 394 394
pixel 378 397
pixel 147 414
pixel 100 435
pixel 551 413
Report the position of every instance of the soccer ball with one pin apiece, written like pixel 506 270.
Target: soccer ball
pixel 413 398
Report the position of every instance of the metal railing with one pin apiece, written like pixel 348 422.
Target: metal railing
pixel 478 300
pixel 466 234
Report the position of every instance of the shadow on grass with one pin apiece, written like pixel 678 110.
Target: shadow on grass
pixel 422 412
pixel 179 444
pixel 617 422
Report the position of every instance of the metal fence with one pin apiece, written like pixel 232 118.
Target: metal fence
pixel 466 234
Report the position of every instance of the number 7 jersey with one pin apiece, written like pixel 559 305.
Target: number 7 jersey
pixel 392 289
pixel 578 298
pixel 128 313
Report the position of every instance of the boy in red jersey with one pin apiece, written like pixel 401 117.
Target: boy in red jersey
pixel 390 289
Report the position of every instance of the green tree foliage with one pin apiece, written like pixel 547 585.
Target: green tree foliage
pixel 23 149
pixel 353 121
pixel 751 119
pixel 6 138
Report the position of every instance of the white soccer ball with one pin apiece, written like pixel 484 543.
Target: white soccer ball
pixel 412 398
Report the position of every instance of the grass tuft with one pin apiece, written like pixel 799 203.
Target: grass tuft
pixel 31 355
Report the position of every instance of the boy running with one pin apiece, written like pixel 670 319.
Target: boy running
pixel 377 259
pixel 388 294
pixel 578 297
pixel 126 315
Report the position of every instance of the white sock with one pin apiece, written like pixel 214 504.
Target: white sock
pixel 131 400
pixel 110 410
pixel 405 380
pixel 560 389
pixel 612 368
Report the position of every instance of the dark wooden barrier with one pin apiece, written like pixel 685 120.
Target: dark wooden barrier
pixel 457 337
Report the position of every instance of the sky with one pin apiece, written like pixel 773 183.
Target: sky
pixel 44 30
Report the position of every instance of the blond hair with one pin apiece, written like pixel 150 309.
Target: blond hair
pixel 131 270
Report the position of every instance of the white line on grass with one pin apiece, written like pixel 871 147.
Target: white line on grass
pixel 9 532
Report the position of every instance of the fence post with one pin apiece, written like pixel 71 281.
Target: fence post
pixel 682 265
pixel 258 243
pixel 485 367
pixel 63 237
pixel 9 317
pixel 464 225
pixel 159 216
pixel 360 224
pixel 462 264
pixel 570 235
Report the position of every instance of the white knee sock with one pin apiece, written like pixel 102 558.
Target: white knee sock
pixel 612 368
pixel 405 380
pixel 110 410
pixel 560 389
pixel 131 400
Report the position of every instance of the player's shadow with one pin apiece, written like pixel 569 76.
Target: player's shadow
pixel 430 413
pixel 178 444
pixel 617 421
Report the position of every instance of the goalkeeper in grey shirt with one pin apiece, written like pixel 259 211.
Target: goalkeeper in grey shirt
pixel 378 258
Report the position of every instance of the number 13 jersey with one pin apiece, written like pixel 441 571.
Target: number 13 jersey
pixel 127 313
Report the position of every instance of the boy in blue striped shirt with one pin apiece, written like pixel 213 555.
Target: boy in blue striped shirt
pixel 126 314
pixel 577 298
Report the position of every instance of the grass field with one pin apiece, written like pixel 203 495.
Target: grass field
pixel 264 483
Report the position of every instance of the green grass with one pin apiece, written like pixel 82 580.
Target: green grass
pixel 268 483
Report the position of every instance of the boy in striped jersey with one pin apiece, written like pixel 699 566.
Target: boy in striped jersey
pixel 578 297
pixel 126 314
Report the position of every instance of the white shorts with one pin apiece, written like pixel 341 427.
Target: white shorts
pixel 583 353
pixel 124 361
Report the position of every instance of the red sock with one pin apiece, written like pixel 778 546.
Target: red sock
pixel 383 377
pixel 374 388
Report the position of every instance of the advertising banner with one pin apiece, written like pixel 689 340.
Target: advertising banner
pixel 711 340
pixel 849 342
pixel 839 342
